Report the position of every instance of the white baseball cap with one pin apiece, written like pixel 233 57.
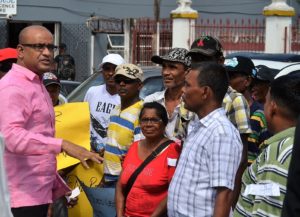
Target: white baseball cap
pixel 113 58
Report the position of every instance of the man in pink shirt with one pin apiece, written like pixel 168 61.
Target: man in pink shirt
pixel 27 124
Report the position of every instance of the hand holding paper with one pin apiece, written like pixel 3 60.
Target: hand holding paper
pixel 72 197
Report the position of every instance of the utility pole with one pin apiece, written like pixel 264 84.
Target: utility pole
pixel 156 9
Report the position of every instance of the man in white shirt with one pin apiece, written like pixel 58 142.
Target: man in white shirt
pixel 102 100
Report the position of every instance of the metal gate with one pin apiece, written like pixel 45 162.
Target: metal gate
pixel 144 40
pixel 234 35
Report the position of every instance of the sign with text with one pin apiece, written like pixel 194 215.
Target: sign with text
pixel 72 123
pixel 8 7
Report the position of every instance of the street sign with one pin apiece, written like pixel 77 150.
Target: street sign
pixel 105 25
pixel 8 7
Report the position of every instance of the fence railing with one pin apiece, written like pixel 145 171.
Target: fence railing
pixel 145 39
pixel 235 35
pixel 295 44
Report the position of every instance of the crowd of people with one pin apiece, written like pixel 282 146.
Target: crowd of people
pixel 218 141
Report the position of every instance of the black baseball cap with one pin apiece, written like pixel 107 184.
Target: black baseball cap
pixel 50 78
pixel 241 65
pixel 206 45
pixel 265 73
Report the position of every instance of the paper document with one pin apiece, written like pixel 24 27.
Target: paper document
pixel 266 189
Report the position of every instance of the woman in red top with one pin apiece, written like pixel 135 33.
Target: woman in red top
pixel 148 195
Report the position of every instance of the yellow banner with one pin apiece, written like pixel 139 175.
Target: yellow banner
pixel 90 177
pixel 72 123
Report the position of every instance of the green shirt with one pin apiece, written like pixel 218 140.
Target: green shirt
pixel 271 166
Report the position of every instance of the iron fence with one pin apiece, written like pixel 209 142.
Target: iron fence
pixel 295 43
pixel 243 35
pixel 234 35
pixel 145 39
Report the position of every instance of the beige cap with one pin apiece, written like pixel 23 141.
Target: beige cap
pixel 130 71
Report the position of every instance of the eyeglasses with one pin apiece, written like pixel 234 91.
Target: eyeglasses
pixel 41 47
pixel 150 120
pixel 126 81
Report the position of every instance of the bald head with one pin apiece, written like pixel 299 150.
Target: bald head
pixel 27 33
pixel 35 49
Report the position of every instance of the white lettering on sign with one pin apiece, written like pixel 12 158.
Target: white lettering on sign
pixel 8 7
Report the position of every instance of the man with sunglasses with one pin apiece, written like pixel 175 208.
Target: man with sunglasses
pixel 123 128
pixel 102 100
pixel 27 124
pixel 175 65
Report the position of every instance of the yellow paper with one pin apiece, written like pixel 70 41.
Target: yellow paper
pixel 72 123
pixel 90 177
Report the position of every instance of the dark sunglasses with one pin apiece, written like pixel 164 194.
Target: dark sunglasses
pixel 41 47
pixel 125 81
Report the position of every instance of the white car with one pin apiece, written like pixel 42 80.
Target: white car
pixel 293 68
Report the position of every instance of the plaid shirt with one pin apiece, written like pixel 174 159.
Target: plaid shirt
pixel 178 121
pixel 237 110
pixel 210 159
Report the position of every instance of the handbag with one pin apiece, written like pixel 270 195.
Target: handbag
pixel 135 174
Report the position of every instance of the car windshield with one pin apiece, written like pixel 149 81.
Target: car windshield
pixel 68 86
pixel 78 94
pixel 152 83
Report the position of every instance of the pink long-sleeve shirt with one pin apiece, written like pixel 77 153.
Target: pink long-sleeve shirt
pixel 27 124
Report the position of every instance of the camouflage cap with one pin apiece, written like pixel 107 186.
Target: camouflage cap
pixel 130 71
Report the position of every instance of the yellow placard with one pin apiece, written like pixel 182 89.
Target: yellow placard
pixel 72 123
pixel 90 177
